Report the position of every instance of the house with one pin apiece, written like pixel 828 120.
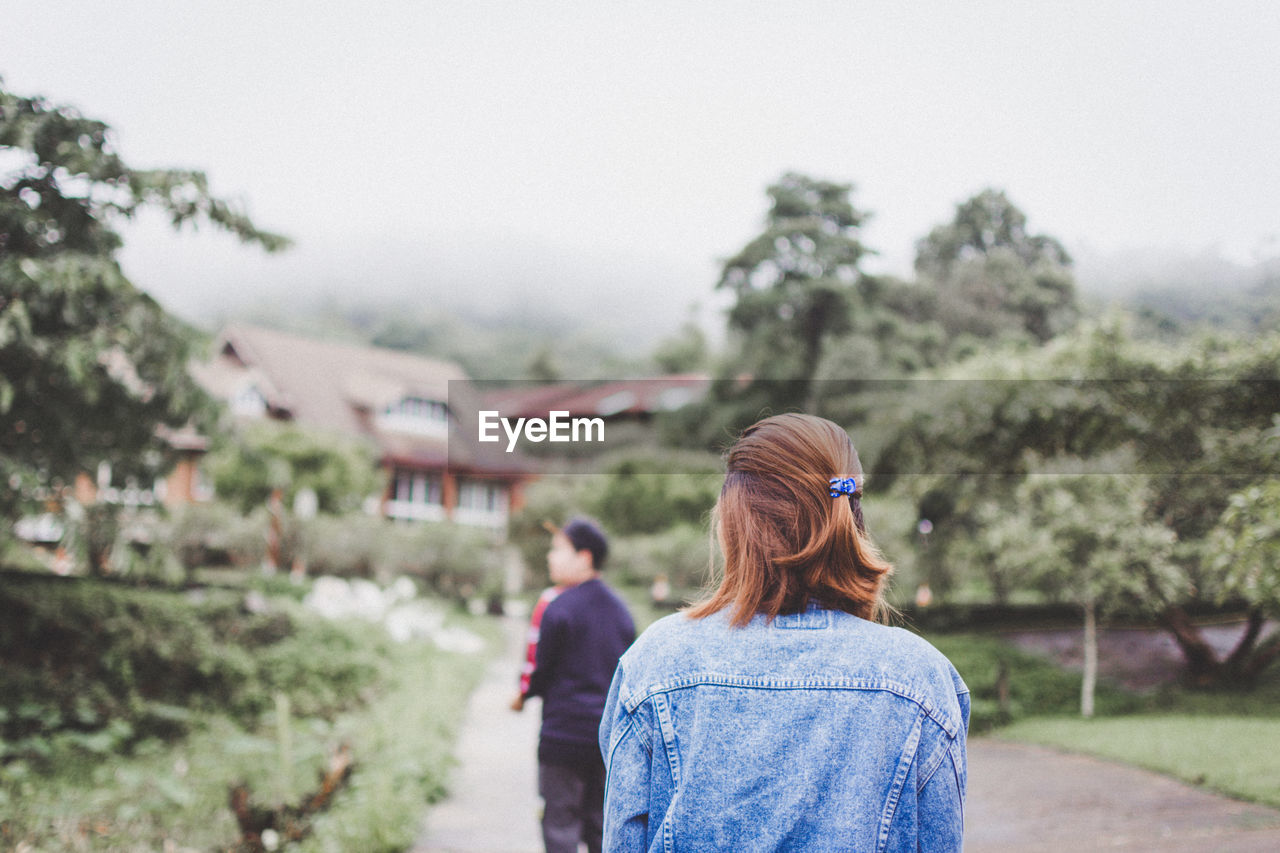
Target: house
pixel 183 484
pixel 614 400
pixel 398 401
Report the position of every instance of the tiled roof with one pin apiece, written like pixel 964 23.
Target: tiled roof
pixel 325 384
pixel 602 399
pixel 342 387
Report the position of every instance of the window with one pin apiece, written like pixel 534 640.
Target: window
pixel 418 487
pixel 416 495
pixel 420 408
pixel 417 415
pixel 248 402
pixel 481 496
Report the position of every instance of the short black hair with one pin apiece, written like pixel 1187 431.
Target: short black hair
pixel 586 535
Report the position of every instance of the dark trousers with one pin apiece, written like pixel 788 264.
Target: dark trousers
pixel 573 806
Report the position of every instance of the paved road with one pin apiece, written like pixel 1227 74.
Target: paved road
pixel 1034 800
pixel 493 805
pixel 1021 798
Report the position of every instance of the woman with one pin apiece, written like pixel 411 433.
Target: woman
pixel 778 714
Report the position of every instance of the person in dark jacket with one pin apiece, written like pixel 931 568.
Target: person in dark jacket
pixel 583 632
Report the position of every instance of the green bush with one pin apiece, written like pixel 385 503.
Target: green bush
pixel 322 668
pixel 1035 685
pixel 114 664
pixel 216 534
pixel 637 492
pixel 150 562
pixel 639 501
pixel 452 560
pixel 106 789
pixel 346 546
pixel 682 553
pixel 268 455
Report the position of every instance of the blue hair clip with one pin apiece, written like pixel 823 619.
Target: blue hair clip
pixel 843 486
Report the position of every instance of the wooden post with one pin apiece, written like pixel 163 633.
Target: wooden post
pixel 180 484
pixel 450 494
pixel 516 501
pixel 86 491
pixel 275 506
pixel 389 491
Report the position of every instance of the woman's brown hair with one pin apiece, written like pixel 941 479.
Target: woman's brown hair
pixel 786 541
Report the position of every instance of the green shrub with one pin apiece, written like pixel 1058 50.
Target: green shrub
pixel 346 546
pixel 636 492
pixel 682 553
pixel 451 560
pixel 76 790
pixel 216 534
pixel 638 499
pixel 97 659
pixel 322 668
pixel 1035 685
pixel 268 455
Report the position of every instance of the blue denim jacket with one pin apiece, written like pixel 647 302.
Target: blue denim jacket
pixel 818 731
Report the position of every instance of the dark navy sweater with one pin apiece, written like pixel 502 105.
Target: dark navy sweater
pixel 582 635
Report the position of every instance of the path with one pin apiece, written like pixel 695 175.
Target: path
pixel 493 805
pixel 1031 799
pixel 1021 798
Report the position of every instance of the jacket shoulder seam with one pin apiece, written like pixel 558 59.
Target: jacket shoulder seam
pixel 951 727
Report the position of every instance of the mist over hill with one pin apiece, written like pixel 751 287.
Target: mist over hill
pixel 507 344
pixel 623 295
pixel 1183 289
pixel 588 318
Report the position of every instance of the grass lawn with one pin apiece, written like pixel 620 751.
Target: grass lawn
pixel 1229 754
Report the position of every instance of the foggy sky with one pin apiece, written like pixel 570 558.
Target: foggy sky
pixel 600 158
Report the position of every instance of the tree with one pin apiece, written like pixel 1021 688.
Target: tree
pixel 93 368
pixel 795 284
pixel 1246 545
pixel 1088 538
pixel 543 366
pixel 992 277
pixel 1192 419
pixel 683 352
pixel 267 456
